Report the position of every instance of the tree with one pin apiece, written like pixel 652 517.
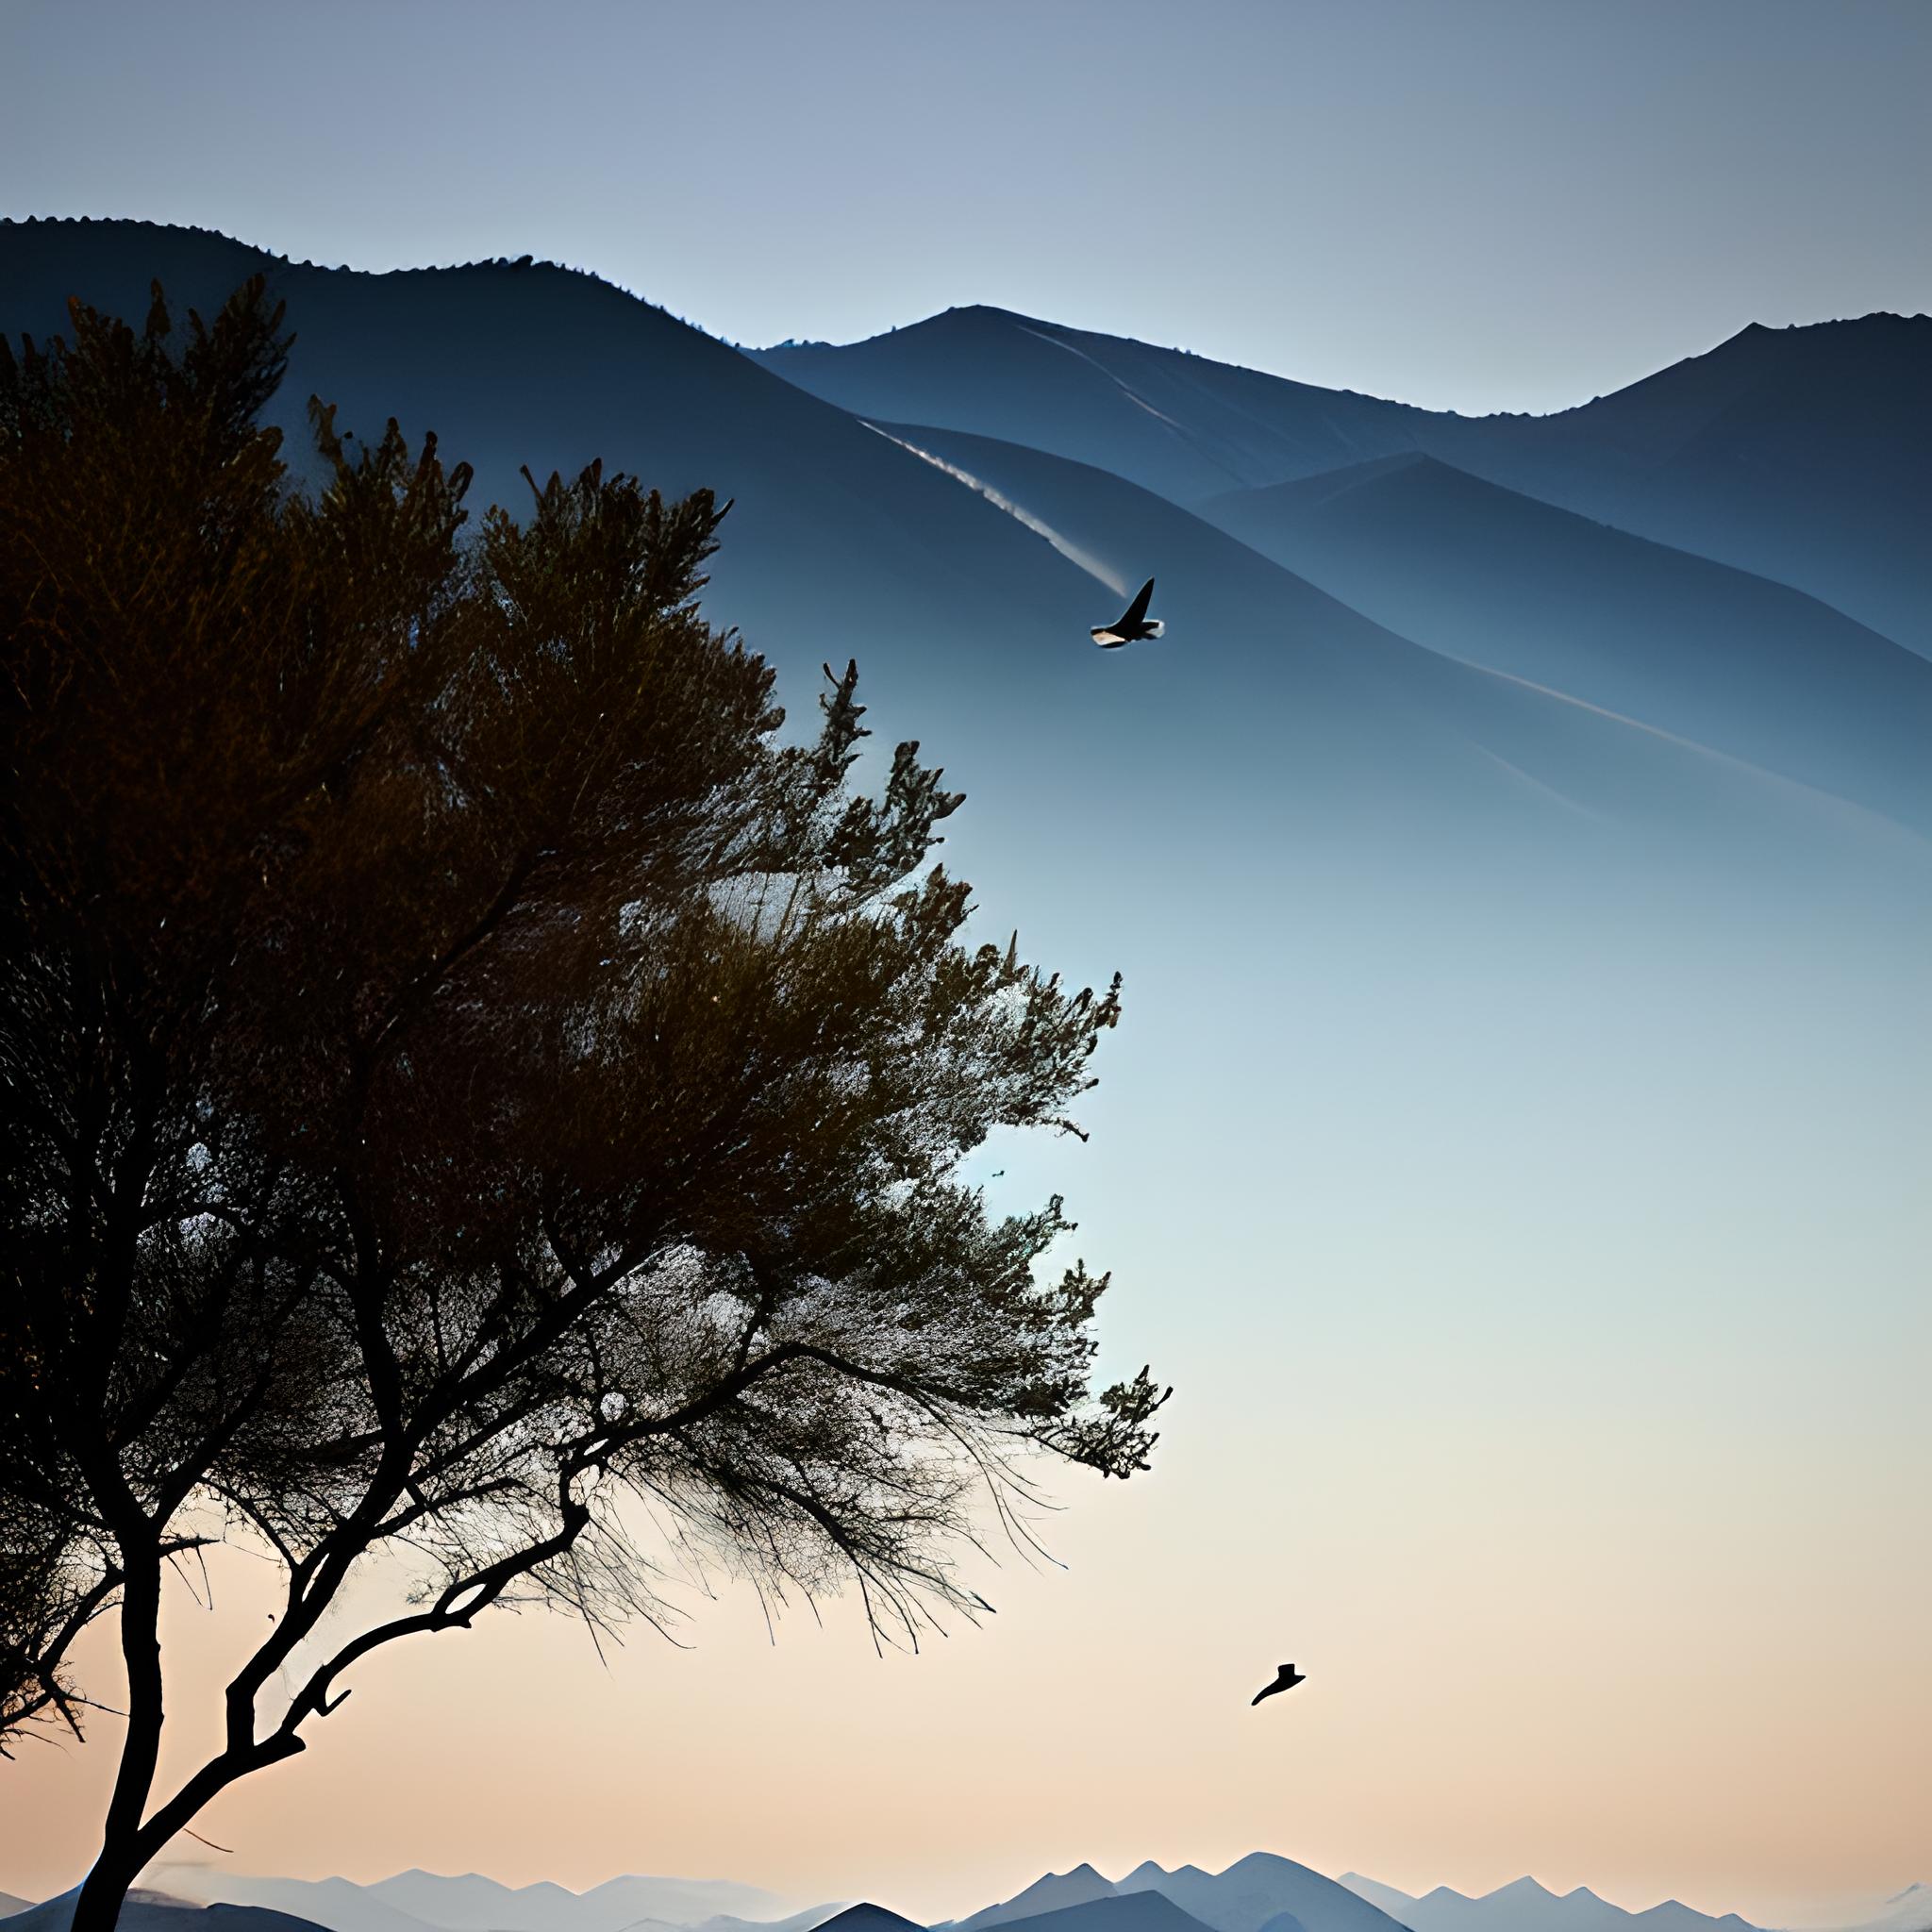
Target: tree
pixel 462 1070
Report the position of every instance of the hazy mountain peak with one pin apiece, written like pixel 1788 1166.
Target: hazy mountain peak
pixel 1526 1887
pixel 1052 1892
pixel 867 1917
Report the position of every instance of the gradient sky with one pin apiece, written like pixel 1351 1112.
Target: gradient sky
pixel 1475 205
pixel 1550 1341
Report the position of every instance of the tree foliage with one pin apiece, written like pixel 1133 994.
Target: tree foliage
pixel 461 1069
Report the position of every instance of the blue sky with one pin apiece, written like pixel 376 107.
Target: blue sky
pixel 1491 205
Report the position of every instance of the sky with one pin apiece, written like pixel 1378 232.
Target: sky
pixel 1494 204
pixel 1550 1341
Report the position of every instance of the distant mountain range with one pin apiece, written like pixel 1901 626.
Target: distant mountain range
pixel 1262 1893
pixel 1528 1907
pixel 1405 644
pixel 429 1902
pixel 1801 454
pixel 145 1911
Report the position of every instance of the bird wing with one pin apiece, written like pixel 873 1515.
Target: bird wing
pixel 1137 611
pixel 1268 1691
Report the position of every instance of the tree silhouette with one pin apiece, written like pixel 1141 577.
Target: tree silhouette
pixel 463 1072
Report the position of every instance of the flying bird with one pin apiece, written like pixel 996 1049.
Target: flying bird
pixel 1131 628
pixel 1286 1679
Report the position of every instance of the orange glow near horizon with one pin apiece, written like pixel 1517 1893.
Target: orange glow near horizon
pixel 1632 1731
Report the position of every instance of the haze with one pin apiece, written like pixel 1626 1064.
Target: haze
pixel 1550 1340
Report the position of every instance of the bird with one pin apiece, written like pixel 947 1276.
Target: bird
pixel 1131 628
pixel 1286 1679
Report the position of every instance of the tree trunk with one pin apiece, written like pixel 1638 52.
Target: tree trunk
pixel 121 1855
pixel 99 1903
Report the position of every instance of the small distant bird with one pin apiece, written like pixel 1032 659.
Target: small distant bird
pixel 1131 628
pixel 1286 1679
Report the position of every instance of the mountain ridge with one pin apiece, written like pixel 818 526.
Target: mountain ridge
pixel 1800 454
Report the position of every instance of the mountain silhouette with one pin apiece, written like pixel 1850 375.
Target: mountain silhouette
pixel 866 1917
pixel 1255 1891
pixel 1145 1911
pixel 1178 425
pixel 145 1911
pixel 1523 1906
pixel 1055 1892
pixel 1342 700
pixel 1487 575
pixel 1804 454
pixel 958 585
pixel 430 1902
pixel 845 538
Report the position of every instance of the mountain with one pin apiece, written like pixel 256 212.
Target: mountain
pixel 1052 1894
pixel 867 1917
pixel 807 1921
pixel 1141 1911
pixel 1909 1910
pixel 835 532
pixel 1733 661
pixel 844 540
pixel 1176 423
pixel 474 1904
pixel 430 1901
pixel 1180 424
pixel 471 1903
pixel 1258 1891
pixel 1396 1904
pixel 335 1903
pixel 1342 700
pixel 1804 454
pixel 146 1910
pixel 1525 1905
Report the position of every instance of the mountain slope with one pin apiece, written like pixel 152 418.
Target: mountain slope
pixel 1177 424
pixel 1804 454
pixel 1733 661
pixel 151 1911
pixel 1145 1911
pixel 335 1903
pixel 550 368
pixel 1055 1892
pixel 1253 635
pixel 1523 1906
pixel 844 540
pixel 430 1901
pixel 1257 1890
pixel 867 1917
pixel 474 1904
